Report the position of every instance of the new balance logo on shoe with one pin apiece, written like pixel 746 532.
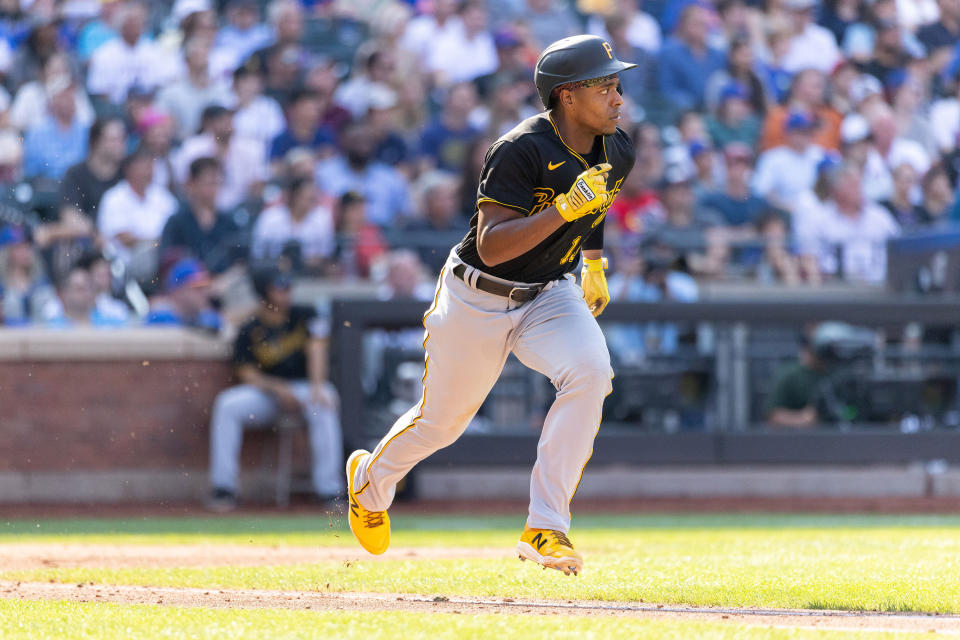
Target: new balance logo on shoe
pixel 538 541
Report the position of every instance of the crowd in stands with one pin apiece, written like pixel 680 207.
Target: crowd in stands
pixel 176 145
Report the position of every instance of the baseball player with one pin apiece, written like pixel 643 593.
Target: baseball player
pixel 544 190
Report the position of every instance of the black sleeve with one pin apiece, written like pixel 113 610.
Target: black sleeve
pixel 595 239
pixel 169 236
pixel 509 175
pixel 243 348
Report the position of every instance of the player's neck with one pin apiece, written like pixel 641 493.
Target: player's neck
pixel 573 134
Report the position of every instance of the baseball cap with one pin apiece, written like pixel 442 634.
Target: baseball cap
pixel 830 161
pixel 697 147
pixel 12 234
pixel 734 90
pixel 799 121
pixel 187 272
pixel 676 175
pixel 854 128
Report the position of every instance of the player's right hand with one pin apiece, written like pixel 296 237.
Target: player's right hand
pixel 588 193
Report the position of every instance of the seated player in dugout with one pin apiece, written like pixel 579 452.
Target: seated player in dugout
pixel 545 188
pixel 281 360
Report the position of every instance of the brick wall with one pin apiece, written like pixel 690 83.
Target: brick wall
pixel 95 403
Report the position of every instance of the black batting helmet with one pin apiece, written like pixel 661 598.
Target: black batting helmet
pixel 574 59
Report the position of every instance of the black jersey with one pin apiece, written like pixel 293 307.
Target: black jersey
pixel 525 170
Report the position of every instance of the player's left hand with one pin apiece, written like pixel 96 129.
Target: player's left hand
pixel 594 284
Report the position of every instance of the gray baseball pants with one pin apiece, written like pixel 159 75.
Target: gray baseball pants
pixel 248 407
pixel 469 334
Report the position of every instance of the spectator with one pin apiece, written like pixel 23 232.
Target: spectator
pixel 58 141
pixel 186 98
pixel 301 220
pixel 736 205
pixel 244 167
pixel 286 57
pixel 892 147
pixel 738 72
pixel 129 60
pixel 303 127
pixel 548 21
pixel 23 282
pixel 642 30
pixel 402 276
pixel 441 218
pixel 445 140
pixel 465 54
pixel 323 81
pixel 281 361
pixel 382 120
pixel 778 262
pixel 807 94
pixel 243 33
pixel 156 132
pixel 940 37
pixel 107 306
pixel 185 301
pixel 255 116
pixel 772 70
pixel 735 119
pixel 375 70
pixel 98 31
pixel 900 204
pixel 439 20
pixel 384 188
pixel 84 183
pixel 938 202
pixel 42 43
pixel 912 14
pixel 786 171
pixel 793 403
pixel 811 46
pixel 132 215
pixel 688 231
pixel 889 55
pixel 849 238
pixel 687 61
pixel 78 303
pixel 838 15
pixel 198 227
pixel 31 103
pixel 858 149
pixel 359 242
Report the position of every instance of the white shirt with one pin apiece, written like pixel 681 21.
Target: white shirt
pixel 782 174
pixel 423 31
pixel 858 245
pixel 912 14
pixel 116 66
pixel 945 122
pixel 815 48
pixel 275 227
pixel 877 180
pixel 642 31
pixel 261 120
pixel 121 210
pixel 245 164
pixel 30 106
pixel 461 58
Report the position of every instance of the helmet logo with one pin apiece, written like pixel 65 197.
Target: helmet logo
pixel 609 49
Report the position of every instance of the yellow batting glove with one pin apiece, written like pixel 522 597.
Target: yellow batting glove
pixel 594 284
pixel 588 193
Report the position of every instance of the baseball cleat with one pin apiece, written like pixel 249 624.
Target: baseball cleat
pixel 551 549
pixel 370 528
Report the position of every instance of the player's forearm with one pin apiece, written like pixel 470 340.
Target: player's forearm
pixel 511 238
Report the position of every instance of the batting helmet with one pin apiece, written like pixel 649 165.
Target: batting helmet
pixel 574 59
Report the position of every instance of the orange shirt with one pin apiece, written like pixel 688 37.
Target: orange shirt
pixel 827 134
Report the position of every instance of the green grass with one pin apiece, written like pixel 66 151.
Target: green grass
pixel 26 620
pixel 885 563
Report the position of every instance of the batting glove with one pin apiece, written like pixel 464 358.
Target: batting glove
pixel 594 284
pixel 588 193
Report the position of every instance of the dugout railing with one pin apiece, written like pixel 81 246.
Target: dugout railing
pixel 732 432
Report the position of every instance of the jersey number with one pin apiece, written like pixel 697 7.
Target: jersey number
pixel 573 250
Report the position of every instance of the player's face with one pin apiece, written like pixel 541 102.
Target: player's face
pixel 598 108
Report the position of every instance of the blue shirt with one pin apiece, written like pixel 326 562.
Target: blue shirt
pixel 167 317
pixel 287 141
pixel 48 150
pixel 448 147
pixel 384 187
pixel 683 74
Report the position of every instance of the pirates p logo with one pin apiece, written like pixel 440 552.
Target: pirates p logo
pixel 542 198
pixel 609 49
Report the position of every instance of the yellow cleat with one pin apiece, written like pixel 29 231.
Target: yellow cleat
pixel 551 549
pixel 370 528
